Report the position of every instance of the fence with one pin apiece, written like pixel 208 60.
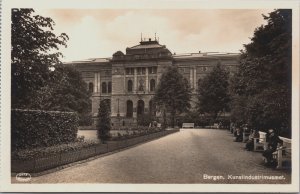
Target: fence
pixel 40 164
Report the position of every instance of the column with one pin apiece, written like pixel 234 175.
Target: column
pixel 99 82
pixel 95 83
pixel 191 77
pixel 135 80
pixel 195 78
pixel 147 80
pixel 125 83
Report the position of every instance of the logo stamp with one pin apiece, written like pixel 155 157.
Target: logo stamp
pixel 23 177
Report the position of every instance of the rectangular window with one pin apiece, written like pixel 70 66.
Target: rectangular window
pixel 152 70
pixel 129 71
pixel 141 70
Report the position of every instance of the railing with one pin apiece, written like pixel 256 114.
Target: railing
pixel 41 164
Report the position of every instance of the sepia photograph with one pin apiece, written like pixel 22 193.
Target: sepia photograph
pixel 153 95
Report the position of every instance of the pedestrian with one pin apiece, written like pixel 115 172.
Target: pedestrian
pixel 273 142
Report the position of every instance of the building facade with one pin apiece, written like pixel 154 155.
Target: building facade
pixel 129 79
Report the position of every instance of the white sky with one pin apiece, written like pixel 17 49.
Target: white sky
pixel 102 32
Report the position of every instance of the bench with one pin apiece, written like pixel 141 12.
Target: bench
pixel 260 144
pixel 216 126
pixel 245 136
pixel 283 154
pixel 188 125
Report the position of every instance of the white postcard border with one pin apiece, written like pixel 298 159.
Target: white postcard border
pixel 5 177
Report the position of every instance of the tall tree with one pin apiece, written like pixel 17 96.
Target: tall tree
pixel 104 122
pixel 213 96
pixel 33 46
pixel 173 93
pixel 65 91
pixel 264 75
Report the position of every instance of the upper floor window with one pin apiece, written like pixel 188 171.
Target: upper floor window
pixel 91 87
pixel 152 85
pixel 129 85
pixel 109 87
pixel 129 71
pixel 152 70
pixel 141 70
pixel 141 85
pixel 104 89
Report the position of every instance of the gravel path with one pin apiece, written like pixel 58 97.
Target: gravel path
pixel 184 157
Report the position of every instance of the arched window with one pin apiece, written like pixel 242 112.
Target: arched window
pixel 91 87
pixel 104 89
pixel 152 85
pixel 129 85
pixel 109 87
pixel 129 111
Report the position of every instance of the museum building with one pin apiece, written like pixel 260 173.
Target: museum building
pixel 129 80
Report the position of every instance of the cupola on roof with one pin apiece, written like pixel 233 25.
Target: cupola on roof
pixel 148 47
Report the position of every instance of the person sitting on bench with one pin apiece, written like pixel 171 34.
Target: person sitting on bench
pixel 273 141
pixel 239 135
pixel 250 142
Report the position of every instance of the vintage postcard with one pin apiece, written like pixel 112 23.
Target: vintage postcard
pixel 149 96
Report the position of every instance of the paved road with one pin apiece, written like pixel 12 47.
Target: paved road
pixel 184 157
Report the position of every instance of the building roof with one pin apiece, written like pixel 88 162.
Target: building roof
pixel 146 46
pixel 150 49
pixel 204 55
pixel 90 60
pixel 147 49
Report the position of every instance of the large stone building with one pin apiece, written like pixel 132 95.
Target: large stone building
pixel 129 80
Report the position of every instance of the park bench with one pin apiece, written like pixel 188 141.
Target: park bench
pixel 283 154
pixel 188 125
pixel 216 126
pixel 260 144
pixel 246 136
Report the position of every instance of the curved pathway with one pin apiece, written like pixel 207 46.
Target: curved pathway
pixel 189 156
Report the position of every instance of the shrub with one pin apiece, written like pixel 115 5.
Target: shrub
pixel 144 120
pixel 104 124
pixel 52 150
pixel 194 117
pixel 85 119
pixel 37 128
pixel 224 121
pixel 80 138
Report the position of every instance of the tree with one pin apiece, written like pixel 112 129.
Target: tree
pixel 33 46
pixel 173 93
pixel 65 91
pixel 213 96
pixel 104 123
pixel 263 80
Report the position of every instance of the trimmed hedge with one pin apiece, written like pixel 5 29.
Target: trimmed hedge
pixel 52 150
pixel 37 128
